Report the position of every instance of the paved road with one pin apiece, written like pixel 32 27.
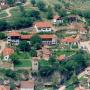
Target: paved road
pixel 10 8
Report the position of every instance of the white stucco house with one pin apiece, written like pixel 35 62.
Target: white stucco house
pixel 57 20
pixel 43 26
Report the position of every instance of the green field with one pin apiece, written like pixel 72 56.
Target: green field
pixel 25 60
pixel 64 52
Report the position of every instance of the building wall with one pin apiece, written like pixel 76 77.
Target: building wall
pixel 6 58
pixel 26 88
pixel 34 65
pixel 57 21
pixel 43 29
pixel 13 41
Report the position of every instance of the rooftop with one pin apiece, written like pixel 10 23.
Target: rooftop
pixel 27 84
pixel 56 17
pixel 47 36
pixel 14 33
pixel 7 51
pixel 68 39
pixel 43 24
pixel 25 37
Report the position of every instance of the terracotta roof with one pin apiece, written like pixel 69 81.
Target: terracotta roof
pixel 56 17
pixel 68 39
pixel 7 51
pixel 61 57
pixel 14 33
pixel 27 84
pixel 43 24
pixel 47 36
pixel 82 29
pixel 4 87
pixel 26 37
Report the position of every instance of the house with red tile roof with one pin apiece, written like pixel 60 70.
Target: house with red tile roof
pixel 50 39
pixel 43 26
pixel 69 41
pixel 26 37
pixel 6 53
pixel 27 85
pixel 13 38
pixel 57 20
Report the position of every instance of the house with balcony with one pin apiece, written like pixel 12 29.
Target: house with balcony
pixel 13 38
pixel 70 41
pixel 49 39
pixel 43 26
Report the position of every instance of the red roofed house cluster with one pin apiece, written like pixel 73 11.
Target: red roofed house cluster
pixel 15 37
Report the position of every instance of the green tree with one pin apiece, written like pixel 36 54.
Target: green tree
pixel 45 71
pixel 52 60
pixel 24 46
pixel 49 13
pixel 15 59
pixel 33 2
pixel 21 22
pixel 41 5
pixel 3 25
pixel 21 8
pixel 2 35
pixel 10 2
pixel 62 13
pixel 75 80
pixel 36 41
pixel 11 74
pixel 57 7
pixel 35 14
pixel 33 53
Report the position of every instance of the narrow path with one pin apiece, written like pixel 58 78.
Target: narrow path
pixel 10 8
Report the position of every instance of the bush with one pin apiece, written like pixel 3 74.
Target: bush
pixel 2 36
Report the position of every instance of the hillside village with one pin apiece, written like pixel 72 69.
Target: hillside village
pixel 44 46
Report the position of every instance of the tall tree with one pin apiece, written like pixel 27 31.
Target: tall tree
pixel 24 46
pixel 36 41
pixel 33 2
